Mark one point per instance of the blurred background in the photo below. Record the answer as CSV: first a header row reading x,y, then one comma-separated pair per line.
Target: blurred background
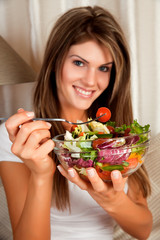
x,y
26,24
24,29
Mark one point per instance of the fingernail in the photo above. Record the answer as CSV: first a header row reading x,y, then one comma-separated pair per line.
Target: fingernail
x,y
71,172
49,124
20,110
115,174
90,172
30,114
59,168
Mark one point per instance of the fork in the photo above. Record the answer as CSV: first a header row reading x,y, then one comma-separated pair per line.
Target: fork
x,y
61,120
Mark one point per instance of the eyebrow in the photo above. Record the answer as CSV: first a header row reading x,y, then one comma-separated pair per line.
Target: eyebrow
x,y
74,55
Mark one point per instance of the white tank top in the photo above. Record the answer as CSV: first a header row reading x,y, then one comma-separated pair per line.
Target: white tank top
x,y
86,221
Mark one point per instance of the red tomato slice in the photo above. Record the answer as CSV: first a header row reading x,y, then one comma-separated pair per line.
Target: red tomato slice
x,y
98,141
101,111
104,175
133,162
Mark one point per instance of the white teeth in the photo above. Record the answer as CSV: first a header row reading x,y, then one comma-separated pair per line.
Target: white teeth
x,y
87,93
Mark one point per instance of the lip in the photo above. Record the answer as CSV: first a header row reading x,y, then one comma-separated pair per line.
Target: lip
x,y
86,93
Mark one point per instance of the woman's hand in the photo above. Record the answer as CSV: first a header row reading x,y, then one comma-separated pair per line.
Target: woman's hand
x,y
105,194
31,142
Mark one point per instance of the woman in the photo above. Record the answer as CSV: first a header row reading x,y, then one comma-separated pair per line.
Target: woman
x,y
86,66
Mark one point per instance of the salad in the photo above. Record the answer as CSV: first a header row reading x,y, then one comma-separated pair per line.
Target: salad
x,y
105,146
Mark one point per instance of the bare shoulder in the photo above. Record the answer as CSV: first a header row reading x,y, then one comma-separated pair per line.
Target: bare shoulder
x,y
15,178
134,192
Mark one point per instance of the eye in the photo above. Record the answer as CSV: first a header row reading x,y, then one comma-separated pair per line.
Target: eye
x,y
104,68
78,63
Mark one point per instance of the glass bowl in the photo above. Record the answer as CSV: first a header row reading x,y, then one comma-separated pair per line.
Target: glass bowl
x,y
125,154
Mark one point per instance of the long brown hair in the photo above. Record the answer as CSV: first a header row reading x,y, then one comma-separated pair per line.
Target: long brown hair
x,y
75,26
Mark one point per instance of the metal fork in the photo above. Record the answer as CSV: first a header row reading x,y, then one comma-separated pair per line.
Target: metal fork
x,y
61,120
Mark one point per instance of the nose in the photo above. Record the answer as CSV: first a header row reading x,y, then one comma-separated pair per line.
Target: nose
x,y
90,77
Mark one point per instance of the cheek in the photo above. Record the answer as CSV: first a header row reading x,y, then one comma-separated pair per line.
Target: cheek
x,y
67,75
103,84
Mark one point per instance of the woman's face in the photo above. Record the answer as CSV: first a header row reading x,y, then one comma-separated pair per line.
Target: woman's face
x,y
85,75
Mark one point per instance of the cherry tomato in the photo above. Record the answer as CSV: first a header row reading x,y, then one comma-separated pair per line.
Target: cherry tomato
x,y
127,131
81,134
111,129
101,111
73,128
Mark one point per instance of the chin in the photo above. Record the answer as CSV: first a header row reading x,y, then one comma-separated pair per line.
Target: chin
x,y
83,106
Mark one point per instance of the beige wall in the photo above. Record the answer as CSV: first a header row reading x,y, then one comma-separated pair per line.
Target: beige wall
x,y
13,97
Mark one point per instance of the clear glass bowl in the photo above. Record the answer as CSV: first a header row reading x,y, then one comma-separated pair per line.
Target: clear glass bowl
x,y
125,154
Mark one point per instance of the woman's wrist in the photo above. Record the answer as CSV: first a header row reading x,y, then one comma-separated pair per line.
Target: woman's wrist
x,y
41,179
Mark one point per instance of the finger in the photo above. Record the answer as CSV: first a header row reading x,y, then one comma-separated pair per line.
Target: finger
x,y
33,142
32,128
44,150
37,137
117,180
30,135
74,177
13,123
20,110
97,183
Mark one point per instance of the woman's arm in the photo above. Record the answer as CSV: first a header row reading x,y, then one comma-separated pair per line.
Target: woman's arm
x,y
28,185
29,201
129,211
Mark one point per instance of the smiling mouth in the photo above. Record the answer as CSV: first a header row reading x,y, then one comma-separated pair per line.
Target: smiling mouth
x,y
82,92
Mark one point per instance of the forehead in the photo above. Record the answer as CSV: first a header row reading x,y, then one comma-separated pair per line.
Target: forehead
x,y
91,50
